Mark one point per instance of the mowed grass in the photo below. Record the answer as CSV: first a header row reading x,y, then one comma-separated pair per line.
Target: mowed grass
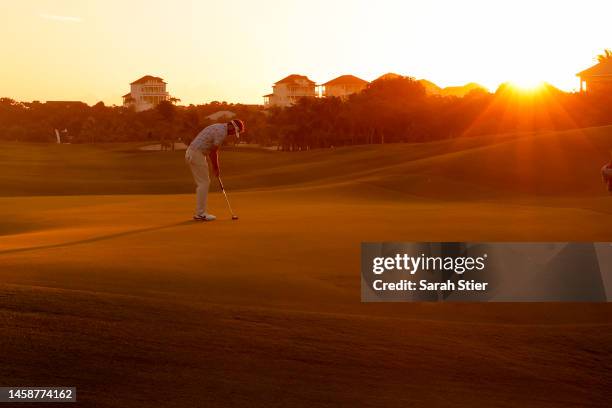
x,y
107,285
553,163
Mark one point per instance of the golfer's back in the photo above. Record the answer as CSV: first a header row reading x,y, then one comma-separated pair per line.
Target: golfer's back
x,y
210,136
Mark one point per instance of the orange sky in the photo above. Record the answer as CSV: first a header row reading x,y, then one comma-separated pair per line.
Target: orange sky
x,y
235,49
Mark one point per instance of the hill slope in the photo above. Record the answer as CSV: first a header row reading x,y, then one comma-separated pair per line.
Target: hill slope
x,y
554,163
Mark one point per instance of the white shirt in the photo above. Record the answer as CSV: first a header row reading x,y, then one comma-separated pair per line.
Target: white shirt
x,y
210,136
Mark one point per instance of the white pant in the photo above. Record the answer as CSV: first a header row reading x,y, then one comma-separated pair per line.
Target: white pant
x,y
199,168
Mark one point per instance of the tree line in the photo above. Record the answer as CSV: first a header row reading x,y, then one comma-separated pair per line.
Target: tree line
x,y
399,110
389,110
36,121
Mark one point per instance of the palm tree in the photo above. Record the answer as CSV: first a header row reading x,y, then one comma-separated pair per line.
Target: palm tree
x,y
606,56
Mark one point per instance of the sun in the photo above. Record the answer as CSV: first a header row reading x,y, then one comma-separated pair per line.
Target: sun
x,y
527,84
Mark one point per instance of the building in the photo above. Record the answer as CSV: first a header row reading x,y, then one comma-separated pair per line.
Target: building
x,y
388,75
289,90
598,78
146,93
343,86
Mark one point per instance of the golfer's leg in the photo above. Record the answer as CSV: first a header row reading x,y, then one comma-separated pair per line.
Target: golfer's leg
x,y
200,173
189,159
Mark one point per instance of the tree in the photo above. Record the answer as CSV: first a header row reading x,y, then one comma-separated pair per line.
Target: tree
x,y
167,110
88,131
606,56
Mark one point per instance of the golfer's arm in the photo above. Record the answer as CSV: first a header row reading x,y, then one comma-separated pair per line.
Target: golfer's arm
x,y
214,159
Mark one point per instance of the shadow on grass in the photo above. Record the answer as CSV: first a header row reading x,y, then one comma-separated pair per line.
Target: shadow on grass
x,y
99,238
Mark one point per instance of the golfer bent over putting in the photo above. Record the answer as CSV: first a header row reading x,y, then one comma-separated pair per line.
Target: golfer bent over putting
x,y
207,143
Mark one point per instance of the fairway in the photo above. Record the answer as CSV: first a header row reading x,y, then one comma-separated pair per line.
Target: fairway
x,y
108,286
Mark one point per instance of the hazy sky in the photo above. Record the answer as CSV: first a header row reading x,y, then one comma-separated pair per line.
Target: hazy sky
x,y
235,49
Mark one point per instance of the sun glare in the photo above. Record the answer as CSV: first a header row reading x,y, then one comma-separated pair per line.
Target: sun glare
x,y
527,84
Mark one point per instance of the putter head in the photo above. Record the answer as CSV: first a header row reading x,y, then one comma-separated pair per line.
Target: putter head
x,y
234,217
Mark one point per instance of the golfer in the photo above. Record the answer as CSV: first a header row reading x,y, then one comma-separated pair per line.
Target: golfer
x,y
206,144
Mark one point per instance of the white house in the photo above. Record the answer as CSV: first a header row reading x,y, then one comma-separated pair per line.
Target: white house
x,y
289,90
145,93
343,86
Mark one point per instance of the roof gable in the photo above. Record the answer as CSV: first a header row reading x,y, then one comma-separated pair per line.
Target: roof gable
x,y
147,78
601,69
294,78
389,75
346,80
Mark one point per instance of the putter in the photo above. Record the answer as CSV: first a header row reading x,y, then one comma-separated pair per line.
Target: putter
x,y
234,217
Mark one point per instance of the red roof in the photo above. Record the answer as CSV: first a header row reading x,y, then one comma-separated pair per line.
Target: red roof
x,y
389,75
146,78
346,80
126,95
293,78
601,69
